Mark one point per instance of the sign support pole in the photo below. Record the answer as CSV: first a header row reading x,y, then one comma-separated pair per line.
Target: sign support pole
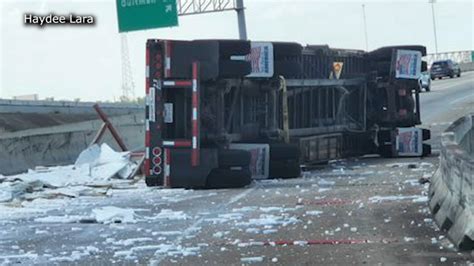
x,y
241,19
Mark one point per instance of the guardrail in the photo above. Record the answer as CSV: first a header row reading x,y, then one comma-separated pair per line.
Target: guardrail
x,y
457,56
451,190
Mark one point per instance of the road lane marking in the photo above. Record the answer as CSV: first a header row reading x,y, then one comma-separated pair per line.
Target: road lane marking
x,y
462,98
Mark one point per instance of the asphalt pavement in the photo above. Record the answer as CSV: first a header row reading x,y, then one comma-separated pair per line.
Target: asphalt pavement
x,y
448,100
366,210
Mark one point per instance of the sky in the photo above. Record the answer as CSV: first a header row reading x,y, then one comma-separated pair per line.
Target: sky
x,y
68,62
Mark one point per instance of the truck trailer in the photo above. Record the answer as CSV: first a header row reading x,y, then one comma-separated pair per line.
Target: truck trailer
x,y
221,112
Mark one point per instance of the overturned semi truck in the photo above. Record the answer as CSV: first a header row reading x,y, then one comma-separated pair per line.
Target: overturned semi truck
x,y
221,112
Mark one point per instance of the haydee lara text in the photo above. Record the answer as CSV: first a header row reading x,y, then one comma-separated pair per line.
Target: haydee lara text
x,y
53,19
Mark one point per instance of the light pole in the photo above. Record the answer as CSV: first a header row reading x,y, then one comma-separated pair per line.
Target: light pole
x,y
434,24
365,28
241,19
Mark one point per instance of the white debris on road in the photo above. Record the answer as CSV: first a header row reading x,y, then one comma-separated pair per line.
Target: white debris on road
x,y
105,215
111,214
95,167
314,213
251,259
414,198
168,214
270,220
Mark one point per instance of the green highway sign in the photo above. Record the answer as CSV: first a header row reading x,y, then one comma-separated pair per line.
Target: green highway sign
x,y
146,14
472,56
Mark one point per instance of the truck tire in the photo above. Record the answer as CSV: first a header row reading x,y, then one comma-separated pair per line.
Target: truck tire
x,y
385,53
284,151
226,178
426,133
151,181
231,158
287,69
284,49
228,48
385,151
234,68
424,66
426,149
383,68
284,169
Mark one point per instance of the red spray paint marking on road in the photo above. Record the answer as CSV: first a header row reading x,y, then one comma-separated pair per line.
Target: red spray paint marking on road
x,y
327,202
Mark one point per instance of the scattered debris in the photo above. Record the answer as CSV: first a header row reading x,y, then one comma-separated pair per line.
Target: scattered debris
x,y
93,170
251,259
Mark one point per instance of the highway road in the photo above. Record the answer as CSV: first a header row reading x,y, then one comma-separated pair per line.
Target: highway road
x,y
366,210
448,100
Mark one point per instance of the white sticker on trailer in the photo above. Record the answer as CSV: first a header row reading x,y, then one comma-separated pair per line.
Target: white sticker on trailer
x,y
260,158
168,113
261,59
409,141
408,64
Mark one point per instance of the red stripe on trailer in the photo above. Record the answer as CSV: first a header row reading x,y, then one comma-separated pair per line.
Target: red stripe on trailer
x,y
195,157
182,143
147,138
147,167
177,143
166,181
177,83
183,83
195,75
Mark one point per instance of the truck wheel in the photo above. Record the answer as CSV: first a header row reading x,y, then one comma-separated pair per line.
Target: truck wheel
x,y
285,169
426,133
283,49
226,178
383,68
234,68
287,69
284,151
385,151
426,149
230,158
228,48
424,66
385,53
151,181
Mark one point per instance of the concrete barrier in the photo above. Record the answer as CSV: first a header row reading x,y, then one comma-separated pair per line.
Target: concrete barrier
x,y
67,107
451,190
466,66
60,145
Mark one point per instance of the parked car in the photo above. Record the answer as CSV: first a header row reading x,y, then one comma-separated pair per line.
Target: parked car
x,y
424,81
445,68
